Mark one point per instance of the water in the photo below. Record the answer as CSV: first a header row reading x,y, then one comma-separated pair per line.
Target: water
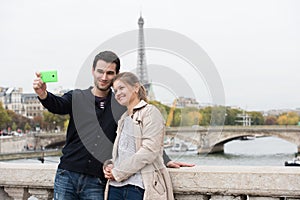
x,y
266,151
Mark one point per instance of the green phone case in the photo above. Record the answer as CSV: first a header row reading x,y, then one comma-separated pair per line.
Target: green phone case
x,y
49,76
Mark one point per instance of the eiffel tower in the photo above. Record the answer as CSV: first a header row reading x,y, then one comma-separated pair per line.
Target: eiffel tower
x,y
142,72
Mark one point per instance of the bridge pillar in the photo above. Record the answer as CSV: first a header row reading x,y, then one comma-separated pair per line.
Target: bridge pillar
x,y
218,148
203,150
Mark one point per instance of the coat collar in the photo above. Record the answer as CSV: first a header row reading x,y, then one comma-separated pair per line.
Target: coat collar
x,y
140,105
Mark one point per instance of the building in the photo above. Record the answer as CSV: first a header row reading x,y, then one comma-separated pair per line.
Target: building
x,y
25,104
183,102
12,99
32,105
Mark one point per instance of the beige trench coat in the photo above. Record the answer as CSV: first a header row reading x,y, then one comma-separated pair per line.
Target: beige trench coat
x,y
149,130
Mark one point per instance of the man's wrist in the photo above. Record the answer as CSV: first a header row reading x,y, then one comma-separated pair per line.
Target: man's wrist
x,y
43,95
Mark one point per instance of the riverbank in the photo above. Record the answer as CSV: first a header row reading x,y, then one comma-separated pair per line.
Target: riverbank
x,y
30,154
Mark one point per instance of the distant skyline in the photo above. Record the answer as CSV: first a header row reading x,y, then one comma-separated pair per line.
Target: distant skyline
x,y
254,45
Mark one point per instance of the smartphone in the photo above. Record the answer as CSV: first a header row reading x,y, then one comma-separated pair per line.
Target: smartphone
x,y
49,76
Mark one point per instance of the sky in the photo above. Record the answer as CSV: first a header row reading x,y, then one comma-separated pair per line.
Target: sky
x,y
253,45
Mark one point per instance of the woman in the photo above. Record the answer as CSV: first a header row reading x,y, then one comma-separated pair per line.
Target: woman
x,y
136,170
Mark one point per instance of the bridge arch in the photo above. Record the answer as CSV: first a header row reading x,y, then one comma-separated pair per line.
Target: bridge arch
x,y
50,141
219,145
57,144
209,141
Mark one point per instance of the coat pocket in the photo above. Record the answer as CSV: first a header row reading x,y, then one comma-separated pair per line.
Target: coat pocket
x,y
158,182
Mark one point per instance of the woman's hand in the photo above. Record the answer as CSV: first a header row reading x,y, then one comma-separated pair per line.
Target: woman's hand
x,y
107,169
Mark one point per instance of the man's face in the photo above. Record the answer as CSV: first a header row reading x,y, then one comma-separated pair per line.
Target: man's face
x,y
103,74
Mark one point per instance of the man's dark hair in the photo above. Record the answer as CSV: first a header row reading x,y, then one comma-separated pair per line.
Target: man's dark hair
x,y
109,57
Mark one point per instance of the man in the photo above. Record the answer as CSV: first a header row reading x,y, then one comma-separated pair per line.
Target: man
x,y
91,132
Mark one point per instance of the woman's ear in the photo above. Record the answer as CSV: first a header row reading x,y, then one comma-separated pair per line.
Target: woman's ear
x,y
136,88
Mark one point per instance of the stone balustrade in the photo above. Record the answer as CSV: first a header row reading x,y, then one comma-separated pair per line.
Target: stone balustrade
x,y
20,181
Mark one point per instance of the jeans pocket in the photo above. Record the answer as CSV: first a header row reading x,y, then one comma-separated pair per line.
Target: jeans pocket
x,y
139,190
60,171
102,182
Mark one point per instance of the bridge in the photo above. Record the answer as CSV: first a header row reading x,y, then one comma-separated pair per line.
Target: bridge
x,y
211,140
207,139
15,144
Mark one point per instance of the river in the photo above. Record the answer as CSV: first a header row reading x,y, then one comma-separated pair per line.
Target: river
x,y
265,151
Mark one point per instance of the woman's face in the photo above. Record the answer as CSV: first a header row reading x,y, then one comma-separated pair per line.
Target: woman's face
x,y
124,93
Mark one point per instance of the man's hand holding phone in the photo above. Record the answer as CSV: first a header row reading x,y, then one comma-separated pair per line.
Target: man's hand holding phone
x,y
39,84
49,76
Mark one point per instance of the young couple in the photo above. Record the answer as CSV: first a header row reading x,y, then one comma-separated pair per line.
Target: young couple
x,y
137,168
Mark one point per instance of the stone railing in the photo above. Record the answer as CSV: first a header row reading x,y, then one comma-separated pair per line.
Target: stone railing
x,y
20,181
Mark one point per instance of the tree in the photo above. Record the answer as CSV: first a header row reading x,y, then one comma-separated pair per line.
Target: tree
x,y
282,120
4,117
38,122
293,118
176,117
190,116
218,114
53,120
18,119
271,120
290,118
206,116
231,115
256,118
14,126
27,127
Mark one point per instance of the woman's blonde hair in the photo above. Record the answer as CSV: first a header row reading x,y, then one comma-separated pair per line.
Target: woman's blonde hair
x,y
131,79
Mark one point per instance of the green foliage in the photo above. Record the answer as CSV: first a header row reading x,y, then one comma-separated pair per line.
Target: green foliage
x,y
4,117
27,127
190,116
177,117
53,120
290,118
39,121
18,120
256,118
14,126
218,115
293,118
231,116
206,116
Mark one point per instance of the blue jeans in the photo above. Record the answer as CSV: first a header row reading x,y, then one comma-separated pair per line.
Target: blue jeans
x,y
76,186
127,192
